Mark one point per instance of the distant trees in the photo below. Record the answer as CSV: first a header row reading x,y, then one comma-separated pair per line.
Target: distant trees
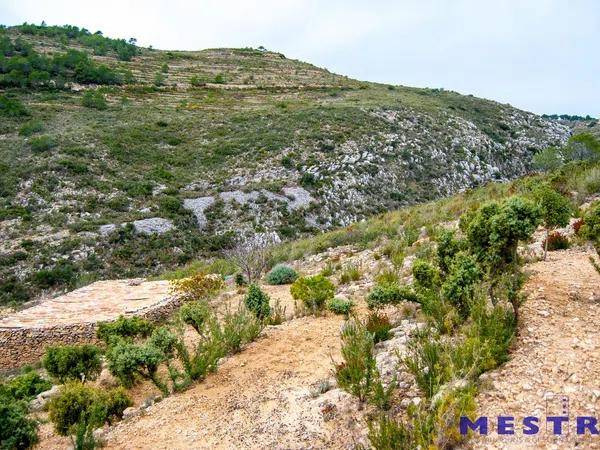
x,y
580,147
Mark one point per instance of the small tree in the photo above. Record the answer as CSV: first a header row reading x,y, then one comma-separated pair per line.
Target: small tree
x,y
73,362
258,302
252,254
555,209
17,431
313,291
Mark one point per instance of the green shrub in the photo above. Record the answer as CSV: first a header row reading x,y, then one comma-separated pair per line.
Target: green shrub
x,y
79,409
62,273
591,224
447,247
12,107
124,327
127,361
390,295
313,291
73,362
387,278
379,326
239,328
17,431
350,273
340,306
425,274
94,99
358,371
424,361
258,302
25,386
282,274
195,314
30,127
240,280
387,434
42,144
461,282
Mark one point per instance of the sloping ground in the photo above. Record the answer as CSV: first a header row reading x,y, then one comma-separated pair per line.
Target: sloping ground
x,y
556,357
258,399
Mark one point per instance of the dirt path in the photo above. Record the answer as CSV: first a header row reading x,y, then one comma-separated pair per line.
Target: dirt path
x,y
556,362
260,398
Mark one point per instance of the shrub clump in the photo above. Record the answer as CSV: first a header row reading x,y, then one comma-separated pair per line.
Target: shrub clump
x,y
282,274
379,326
17,431
73,362
258,302
94,100
42,144
339,305
198,286
591,225
390,295
25,386
124,327
80,409
313,291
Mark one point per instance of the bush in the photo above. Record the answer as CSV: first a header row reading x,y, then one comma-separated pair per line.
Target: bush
x,y
313,291
62,273
124,327
591,226
73,362
195,314
447,247
30,127
80,409
340,306
379,326
350,273
460,284
556,241
388,434
390,295
425,275
197,287
17,431
25,386
282,274
258,302
239,328
94,99
42,144
127,361
357,373
424,361
12,107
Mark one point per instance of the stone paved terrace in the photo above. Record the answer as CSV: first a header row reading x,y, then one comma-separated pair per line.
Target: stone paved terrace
x,y
72,318
102,300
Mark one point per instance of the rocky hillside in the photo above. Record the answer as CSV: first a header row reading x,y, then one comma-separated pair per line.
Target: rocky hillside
x,y
119,161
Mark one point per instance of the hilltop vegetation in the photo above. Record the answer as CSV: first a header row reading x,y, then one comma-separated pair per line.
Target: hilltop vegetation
x,y
121,161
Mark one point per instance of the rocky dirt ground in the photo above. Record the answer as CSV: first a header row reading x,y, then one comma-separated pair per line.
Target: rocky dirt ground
x,y
556,356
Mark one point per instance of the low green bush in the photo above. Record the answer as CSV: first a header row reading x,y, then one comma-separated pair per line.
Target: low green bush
x,y
282,274
195,314
42,144
79,409
239,328
94,99
339,305
350,273
73,362
357,373
30,127
258,302
591,224
313,291
462,281
425,274
25,386
124,327
390,295
12,107
17,430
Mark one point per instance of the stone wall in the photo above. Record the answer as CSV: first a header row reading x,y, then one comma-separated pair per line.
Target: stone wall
x,y
21,346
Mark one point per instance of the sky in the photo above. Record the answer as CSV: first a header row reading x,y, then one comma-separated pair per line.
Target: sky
x,y
538,55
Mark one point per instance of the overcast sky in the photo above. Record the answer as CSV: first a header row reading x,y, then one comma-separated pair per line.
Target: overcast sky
x,y
539,55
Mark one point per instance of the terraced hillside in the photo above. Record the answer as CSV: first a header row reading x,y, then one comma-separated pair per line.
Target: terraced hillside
x,y
160,156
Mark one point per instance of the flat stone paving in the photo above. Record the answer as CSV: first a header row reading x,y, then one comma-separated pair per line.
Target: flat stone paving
x,y
102,300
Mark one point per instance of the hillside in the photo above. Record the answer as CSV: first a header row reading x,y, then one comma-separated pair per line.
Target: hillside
x,y
192,148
